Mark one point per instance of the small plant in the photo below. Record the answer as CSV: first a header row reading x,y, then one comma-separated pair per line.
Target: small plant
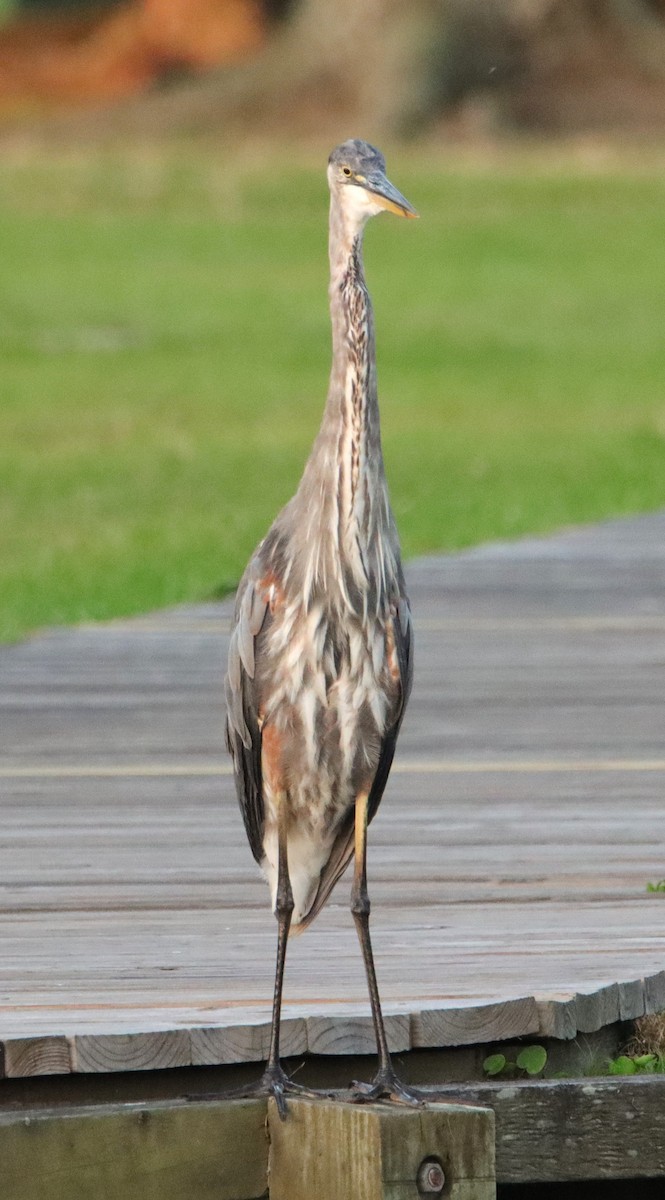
x,y
495,1064
645,1052
656,887
636,1064
530,1061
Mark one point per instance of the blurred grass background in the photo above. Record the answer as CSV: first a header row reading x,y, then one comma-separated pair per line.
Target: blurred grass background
x,y
165,342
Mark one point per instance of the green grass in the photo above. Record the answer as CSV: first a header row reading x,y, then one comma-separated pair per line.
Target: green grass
x,y
165,350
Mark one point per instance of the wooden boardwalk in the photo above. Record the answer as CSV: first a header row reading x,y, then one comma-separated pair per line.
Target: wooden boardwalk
x,y
509,861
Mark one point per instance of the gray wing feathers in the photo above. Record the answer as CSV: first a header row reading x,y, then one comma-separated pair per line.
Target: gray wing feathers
x,y
243,735
245,640
404,646
255,608
250,618
343,845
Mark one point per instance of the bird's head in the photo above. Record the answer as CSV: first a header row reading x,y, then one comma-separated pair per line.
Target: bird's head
x,y
358,182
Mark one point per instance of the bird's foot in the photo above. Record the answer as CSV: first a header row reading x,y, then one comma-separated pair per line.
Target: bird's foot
x,y
387,1086
274,1082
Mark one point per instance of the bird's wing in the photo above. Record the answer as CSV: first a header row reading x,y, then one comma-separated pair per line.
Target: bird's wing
x,y
402,632
343,846
243,732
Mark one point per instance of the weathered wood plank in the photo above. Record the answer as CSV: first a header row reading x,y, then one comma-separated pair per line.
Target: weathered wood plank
x,y
654,992
556,1016
22,1057
567,1129
632,999
597,1008
340,1034
334,1151
131,1051
475,1023
159,1152
219,1045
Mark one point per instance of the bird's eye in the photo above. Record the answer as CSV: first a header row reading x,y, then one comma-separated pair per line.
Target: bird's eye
x,y
346,171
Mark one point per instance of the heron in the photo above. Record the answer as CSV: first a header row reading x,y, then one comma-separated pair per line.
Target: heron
x,y
321,652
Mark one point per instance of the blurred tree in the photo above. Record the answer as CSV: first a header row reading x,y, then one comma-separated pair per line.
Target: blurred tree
x,y
386,66
591,64
566,65
383,66
375,64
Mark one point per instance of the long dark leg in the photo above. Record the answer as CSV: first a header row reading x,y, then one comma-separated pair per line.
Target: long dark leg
x,y
274,1076
275,1081
360,907
386,1084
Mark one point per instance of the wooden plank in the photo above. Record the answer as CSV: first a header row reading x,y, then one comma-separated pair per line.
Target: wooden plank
x,y
562,1130
22,1057
163,1151
334,1151
475,1024
595,1009
654,992
329,1034
152,1051
556,1016
219,1044
424,766
632,999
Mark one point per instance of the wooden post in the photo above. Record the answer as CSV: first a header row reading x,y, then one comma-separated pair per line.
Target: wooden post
x,y
555,1130
158,1151
335,1150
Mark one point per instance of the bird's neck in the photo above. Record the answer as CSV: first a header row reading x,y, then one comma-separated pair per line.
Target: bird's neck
x,y
344,479
351,416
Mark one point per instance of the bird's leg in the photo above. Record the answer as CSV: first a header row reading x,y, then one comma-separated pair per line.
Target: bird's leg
x,y
386,1085
275,1082
360,907
274,1077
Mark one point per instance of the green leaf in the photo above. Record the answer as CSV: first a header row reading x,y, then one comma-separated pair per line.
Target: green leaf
x,y
532,1059
644,1062
623,1065
656,887
494,1064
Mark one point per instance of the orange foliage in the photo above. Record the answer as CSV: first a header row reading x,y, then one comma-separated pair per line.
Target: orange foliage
x,y
122,51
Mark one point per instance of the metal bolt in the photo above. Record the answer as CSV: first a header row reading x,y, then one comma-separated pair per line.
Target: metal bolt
x,y
431,1178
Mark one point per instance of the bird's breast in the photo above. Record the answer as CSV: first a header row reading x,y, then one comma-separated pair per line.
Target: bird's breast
x,y
328,692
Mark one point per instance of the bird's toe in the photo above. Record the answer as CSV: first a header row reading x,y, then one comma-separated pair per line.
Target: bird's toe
x,y
386,1086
